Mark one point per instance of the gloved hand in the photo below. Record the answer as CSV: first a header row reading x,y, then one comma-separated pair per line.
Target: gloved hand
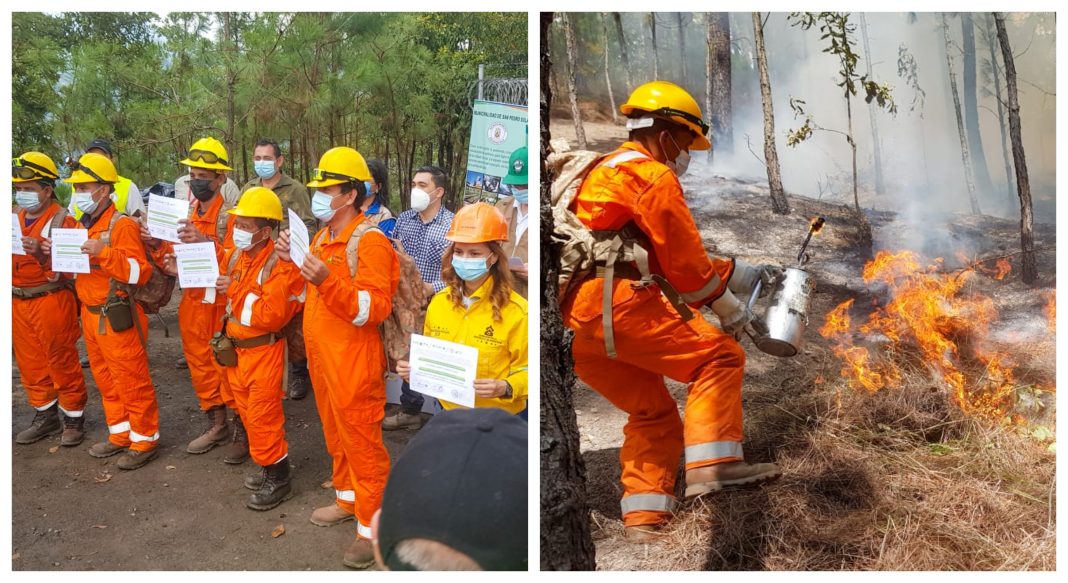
x,y
735,317
746,276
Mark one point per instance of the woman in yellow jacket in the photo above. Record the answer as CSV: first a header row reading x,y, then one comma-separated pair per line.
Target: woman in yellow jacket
x,y
479,308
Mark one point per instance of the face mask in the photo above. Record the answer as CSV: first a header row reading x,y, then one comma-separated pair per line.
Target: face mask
x,y
682,161
469,269
367,186
242,238
521,195
201,189
265,168
420,200
321,207
85,202
28,200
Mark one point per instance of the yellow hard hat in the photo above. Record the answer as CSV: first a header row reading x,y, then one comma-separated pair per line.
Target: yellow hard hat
x,y
260,203
207,153
33,166
339,165
94,167
671,102
478,223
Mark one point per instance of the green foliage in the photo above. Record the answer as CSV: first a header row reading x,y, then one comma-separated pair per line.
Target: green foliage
x,y
908,70
394,86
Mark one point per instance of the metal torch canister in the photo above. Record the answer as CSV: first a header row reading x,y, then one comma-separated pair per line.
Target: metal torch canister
x,y
787,316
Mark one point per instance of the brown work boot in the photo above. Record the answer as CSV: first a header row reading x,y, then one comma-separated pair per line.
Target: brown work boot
x,y
360,554
73,431
330,515
237,451
44,423
135,459
274,489
719,476
402,420
642,533
218,433
105,449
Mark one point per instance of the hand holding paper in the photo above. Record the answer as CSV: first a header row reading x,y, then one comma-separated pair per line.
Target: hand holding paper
x,y
443,369
67,256
197,265
163,216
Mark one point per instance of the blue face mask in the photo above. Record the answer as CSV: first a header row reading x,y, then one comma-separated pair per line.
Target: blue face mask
x,y
367,185
85,202
469,268
28,200
321,207
265,168
521,195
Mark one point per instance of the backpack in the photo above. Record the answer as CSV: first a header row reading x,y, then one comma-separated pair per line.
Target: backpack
x,y
584,252
294,328
156,292
407,302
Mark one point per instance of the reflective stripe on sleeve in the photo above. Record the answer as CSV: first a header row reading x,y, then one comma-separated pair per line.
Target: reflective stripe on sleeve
x,y
704,292
365,308
135,271
246,311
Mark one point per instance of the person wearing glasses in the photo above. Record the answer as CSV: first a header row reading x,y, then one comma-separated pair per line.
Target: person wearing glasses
x,y
44,311
353,272
201,310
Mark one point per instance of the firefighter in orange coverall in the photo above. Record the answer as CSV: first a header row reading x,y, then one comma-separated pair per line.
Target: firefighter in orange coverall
x,y
117,358
346,358
637,186
263,295
44,311
201,310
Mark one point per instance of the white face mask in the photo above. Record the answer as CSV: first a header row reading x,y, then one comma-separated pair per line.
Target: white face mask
x,y
85,201
420,200
682,161
28,200
243,238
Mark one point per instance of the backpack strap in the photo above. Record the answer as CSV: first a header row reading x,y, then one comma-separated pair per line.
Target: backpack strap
x,y
56,222
353,244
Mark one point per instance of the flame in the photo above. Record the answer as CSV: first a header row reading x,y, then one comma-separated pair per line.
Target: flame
x,y
1003,269
1051,310
927,316
815,225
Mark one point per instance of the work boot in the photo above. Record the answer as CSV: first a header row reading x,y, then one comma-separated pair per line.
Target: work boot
x,y
274,489
298,384
255,481
642,533
181,363
85,362
237,451
330,515
217,433
402,420
135,459
73,431
44,423
105,449
360,554
719,476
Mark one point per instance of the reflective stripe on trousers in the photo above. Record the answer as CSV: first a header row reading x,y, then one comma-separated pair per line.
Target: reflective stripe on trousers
x,y
651,502
713,450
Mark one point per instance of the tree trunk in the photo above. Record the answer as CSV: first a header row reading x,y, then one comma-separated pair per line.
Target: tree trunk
x,y
569,36
853,149
683,78
719,81
1010,188
656,54
607,76
880,186
565,530
1023,184
623,50
971,107
964,154
778,198
231,80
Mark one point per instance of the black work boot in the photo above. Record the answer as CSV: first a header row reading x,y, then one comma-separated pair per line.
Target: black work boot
x,y
299,381
73,431
44,423
275,488
237,451
255,481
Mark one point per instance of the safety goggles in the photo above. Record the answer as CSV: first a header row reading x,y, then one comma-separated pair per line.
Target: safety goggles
x,y
671,112
325,175
27,170
206,156
89,171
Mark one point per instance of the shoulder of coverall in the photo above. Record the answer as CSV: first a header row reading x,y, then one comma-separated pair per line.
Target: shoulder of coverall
x,y
645,169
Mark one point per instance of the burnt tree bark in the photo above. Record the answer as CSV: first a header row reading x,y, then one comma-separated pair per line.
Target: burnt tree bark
x,y
572,61
965,155
995,73
623,50
565,530
1023,184
656,54
771,156
971,107
718,74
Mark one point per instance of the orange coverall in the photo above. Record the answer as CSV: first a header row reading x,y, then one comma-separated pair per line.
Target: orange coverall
x,y
118,359
347,363
200,313
652,340
261,304
44,330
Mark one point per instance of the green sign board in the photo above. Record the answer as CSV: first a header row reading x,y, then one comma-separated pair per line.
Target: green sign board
x,y
497,130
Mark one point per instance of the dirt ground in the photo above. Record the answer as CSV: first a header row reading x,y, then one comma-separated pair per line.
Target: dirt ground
x,y
861,489
71,511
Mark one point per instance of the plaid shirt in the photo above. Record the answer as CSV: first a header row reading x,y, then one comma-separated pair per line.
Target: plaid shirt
x,y
425,242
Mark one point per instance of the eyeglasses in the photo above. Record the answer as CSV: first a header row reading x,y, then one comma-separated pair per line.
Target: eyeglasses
x,y
669,112
206,156
27,170
323,174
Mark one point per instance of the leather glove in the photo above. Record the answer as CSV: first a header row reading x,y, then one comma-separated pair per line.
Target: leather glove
x,y
746,276
734,316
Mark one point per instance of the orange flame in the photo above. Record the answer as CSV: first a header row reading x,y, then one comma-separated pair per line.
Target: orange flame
x,y
815,224
1051,310
927,316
